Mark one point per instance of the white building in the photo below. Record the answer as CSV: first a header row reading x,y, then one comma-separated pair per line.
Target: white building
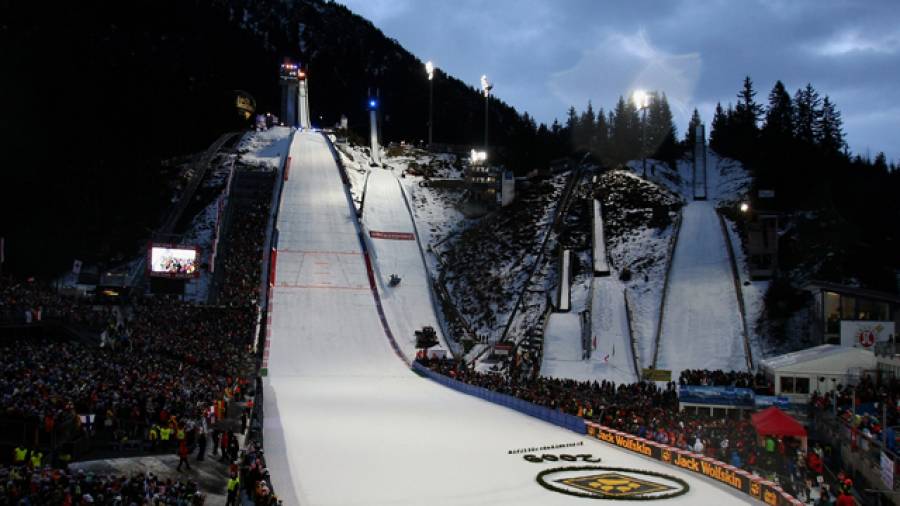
x,y
822,368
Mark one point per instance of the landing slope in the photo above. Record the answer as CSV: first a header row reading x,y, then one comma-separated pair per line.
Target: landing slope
x,y
701,328
391,235
346,422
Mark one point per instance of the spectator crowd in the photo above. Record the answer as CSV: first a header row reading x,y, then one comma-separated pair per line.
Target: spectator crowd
x,y
652,412
159,376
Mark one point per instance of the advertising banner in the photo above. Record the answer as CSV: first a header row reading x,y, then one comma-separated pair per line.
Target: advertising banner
x,y
720,396
765,401
738,479
656,375
396,236
864,334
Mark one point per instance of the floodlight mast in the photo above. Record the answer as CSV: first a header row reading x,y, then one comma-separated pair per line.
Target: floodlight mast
x,y
641,100
429,69
486,87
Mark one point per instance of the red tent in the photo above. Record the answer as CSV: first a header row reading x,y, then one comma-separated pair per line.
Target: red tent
x,y
775,422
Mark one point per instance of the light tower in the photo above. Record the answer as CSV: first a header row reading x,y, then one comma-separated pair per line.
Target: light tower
x,y
373,126
486,87
289,73
429,69
641,101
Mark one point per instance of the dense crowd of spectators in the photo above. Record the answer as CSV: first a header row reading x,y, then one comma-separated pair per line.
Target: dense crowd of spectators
x,y
159,377
24,485
719,378
26,302
240,266
650,411
863,408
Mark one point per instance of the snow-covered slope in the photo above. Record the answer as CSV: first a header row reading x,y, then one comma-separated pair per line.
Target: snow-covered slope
x,y
701,327
346,422
610,357
391,235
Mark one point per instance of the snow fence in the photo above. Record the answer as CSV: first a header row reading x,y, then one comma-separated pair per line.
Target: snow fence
x,y
553,416
756,487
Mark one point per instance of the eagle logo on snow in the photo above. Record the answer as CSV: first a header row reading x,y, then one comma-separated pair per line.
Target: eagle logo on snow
x,y
597,482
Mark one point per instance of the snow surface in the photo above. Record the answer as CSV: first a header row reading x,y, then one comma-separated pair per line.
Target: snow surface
x,y
701,328
408,306
347,423
611,359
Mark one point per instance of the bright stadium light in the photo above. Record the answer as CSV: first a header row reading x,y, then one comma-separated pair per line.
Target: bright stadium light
x,y
641,101
373,103
486,87
478,156
429,69
745,207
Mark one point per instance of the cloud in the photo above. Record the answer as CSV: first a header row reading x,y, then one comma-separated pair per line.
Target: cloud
x,y
620,63
852,41
547,55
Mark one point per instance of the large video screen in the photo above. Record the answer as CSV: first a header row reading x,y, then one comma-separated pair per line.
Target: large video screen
x,y
173,261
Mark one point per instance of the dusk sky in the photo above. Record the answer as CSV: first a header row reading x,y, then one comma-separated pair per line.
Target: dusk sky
x,y
545,55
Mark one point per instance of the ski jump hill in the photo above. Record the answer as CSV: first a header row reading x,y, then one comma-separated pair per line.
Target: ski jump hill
x,y
702,325
346,420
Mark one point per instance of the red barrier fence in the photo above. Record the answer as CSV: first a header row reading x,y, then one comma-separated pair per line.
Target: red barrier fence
x,y
748,483
396,236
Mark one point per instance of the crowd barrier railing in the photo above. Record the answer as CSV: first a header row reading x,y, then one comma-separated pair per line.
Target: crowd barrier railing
x,y
738,479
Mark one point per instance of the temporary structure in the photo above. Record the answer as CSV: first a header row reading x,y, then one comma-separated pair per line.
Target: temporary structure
x,y
775,422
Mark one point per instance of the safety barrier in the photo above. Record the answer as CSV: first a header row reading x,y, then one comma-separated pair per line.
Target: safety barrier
x,y
739,293
662,303
553,416
748,483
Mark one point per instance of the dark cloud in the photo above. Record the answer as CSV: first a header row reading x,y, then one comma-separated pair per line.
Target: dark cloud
x,y
545,55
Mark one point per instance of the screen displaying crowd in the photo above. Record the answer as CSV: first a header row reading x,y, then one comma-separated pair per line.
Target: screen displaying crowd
x,y
173,261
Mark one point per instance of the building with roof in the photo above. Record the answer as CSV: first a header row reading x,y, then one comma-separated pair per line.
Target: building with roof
x,y
834,303
820,369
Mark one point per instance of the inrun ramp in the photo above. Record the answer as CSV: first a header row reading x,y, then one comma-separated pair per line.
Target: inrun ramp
x,y
701,326
346,422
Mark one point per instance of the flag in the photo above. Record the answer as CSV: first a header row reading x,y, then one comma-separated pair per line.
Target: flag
x,y
595,342
614,350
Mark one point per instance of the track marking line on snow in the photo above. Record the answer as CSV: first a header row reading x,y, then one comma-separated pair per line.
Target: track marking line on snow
x,y
325,286
318,252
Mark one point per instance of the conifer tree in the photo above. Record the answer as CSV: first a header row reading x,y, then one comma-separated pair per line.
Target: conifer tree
x,y
830,128
718,135
806,114
690,135
779,126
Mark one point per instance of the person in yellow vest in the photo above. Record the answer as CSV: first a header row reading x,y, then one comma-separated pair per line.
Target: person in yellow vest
x,y
179,434
36,458
19,455
165,435
153,436
233,489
